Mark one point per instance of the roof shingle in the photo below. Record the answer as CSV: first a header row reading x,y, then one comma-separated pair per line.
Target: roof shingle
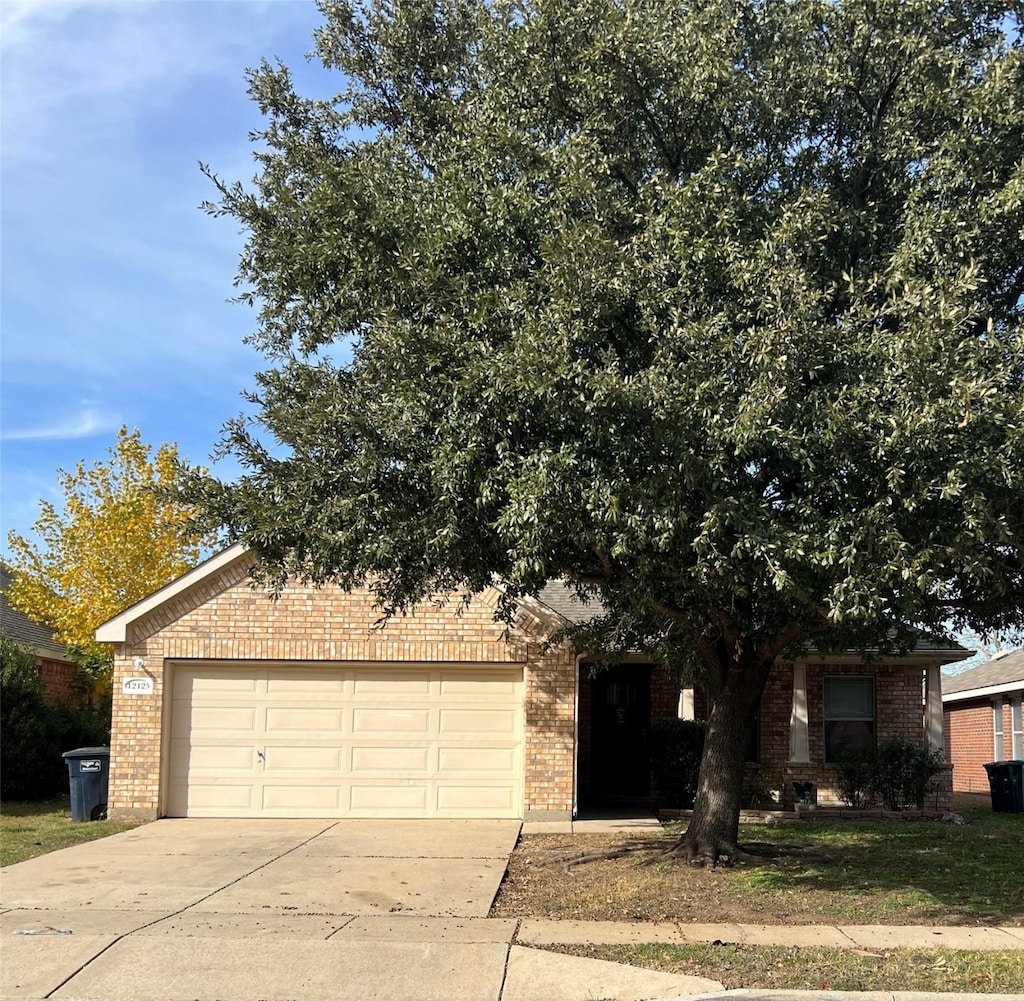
x,y
21,628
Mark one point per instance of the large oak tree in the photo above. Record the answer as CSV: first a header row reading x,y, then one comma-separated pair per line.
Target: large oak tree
x,y
711,308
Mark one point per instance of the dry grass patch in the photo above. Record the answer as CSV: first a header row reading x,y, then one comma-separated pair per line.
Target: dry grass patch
x,y
780,968
812,872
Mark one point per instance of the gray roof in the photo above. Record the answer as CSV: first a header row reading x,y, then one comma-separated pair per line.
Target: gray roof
x,y
1005,670
21,628
560,596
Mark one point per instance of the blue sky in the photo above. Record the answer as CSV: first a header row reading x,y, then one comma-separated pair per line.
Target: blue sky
x,y
113,283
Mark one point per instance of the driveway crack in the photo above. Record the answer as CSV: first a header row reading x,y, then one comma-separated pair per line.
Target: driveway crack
x,y
181,910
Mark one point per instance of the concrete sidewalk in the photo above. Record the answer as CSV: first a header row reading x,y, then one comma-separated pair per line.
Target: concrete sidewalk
x,y
536,931
205,955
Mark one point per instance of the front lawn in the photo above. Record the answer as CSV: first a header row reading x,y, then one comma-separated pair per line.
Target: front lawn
x,y
29,829
779,968
813,872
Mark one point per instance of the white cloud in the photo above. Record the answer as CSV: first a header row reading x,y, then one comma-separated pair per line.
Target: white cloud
x,y
87,423
88,70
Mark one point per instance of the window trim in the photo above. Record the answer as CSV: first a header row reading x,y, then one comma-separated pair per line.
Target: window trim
x,y
998,734
826,719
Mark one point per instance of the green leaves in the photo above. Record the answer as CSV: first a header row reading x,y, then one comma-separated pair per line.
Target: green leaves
x,y
712,307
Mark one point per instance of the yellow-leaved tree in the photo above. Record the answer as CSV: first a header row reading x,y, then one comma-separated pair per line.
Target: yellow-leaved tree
x,y
119,537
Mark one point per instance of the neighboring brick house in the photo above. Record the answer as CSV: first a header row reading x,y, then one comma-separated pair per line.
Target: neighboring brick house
x,y
983,719
57,671
228,703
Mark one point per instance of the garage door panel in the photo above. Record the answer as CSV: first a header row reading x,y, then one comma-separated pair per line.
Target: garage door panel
x,y
230,685
370,683
395,799
326,798
497,760
478,722
220,719
203,797
404,760
390,721
211,758
484,800
303,758
357,740
312,684
301,719
504,686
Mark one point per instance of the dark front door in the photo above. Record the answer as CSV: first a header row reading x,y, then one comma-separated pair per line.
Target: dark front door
x,y
620,714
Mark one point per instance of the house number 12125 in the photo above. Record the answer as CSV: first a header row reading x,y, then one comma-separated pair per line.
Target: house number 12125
x,y
137,686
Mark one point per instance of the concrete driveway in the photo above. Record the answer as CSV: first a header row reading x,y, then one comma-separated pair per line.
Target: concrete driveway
x,y
248,910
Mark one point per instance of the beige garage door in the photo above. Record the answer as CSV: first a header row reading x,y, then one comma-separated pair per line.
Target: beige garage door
x,y
329,741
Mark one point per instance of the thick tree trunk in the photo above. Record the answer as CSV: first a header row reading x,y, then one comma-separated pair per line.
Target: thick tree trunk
x,y
713,832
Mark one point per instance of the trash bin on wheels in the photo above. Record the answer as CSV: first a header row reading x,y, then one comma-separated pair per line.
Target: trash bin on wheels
x,y
1006,784
89,772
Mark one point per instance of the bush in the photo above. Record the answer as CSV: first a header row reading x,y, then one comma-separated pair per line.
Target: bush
x,y
903,769
897,774
761,783
855,778
34,735
676,747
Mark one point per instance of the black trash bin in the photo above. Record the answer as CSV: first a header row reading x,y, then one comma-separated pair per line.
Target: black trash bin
x,y
89,772
1006,784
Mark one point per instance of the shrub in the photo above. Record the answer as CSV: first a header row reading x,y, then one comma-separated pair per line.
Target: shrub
x,y
34,735
855,778
761,783
902,772
676,747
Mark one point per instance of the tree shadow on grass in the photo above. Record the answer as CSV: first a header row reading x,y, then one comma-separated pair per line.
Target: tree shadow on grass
x,y
35,808
969,874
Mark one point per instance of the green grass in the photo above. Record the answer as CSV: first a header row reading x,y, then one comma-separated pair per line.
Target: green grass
x,y
886,870
777,967
31,829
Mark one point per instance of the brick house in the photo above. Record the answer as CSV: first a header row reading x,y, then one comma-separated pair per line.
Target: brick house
x,y
983,719
57,671
227,703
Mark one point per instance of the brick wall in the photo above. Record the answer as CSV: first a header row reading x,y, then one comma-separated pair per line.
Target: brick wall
x,y
899,711
222,618
59,682
970,742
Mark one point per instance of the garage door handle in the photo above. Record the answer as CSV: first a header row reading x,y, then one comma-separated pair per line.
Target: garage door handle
x,y
261,756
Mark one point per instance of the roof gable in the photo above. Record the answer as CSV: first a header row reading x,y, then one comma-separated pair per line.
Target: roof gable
x,y
115,630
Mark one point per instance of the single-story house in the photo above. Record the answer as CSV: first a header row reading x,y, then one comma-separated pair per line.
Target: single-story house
x,y
230,704
983,718
56,668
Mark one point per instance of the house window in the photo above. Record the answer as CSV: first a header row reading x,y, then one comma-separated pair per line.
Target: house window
x,y
997,730
849,715
1017,718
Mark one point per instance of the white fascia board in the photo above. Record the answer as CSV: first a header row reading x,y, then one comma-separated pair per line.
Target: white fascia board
x,y
115,630
980,693
920,658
